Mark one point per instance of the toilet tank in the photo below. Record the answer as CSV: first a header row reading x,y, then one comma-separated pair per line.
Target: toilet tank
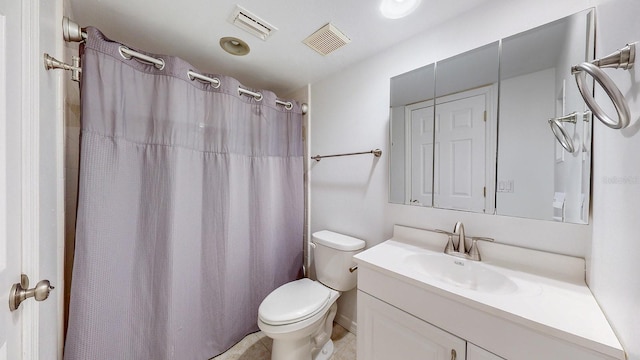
x,y
333,256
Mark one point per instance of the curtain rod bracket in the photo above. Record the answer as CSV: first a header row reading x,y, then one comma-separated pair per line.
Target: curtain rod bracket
x,y
52,63
72,31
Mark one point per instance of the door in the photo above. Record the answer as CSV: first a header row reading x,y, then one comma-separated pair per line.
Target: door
x,y
31,193
10,194
420,121
459,181
385,332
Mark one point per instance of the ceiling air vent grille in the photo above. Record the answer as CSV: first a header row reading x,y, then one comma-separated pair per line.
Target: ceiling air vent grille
x,y
250,23
327,39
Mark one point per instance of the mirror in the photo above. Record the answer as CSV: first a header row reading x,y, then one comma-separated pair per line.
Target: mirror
x,y
411,94
544,143
452,147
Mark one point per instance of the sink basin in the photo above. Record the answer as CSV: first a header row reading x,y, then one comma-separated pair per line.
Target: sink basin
x,y
462,273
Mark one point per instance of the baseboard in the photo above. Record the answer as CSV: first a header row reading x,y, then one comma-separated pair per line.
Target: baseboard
x,y
347,323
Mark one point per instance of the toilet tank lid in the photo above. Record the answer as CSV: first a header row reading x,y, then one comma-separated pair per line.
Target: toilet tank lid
x,y
337,241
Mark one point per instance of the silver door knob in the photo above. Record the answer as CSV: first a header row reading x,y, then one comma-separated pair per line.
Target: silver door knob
x,y
20,291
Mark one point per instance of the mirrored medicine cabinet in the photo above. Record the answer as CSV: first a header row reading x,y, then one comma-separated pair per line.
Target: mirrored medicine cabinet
x,y
472,132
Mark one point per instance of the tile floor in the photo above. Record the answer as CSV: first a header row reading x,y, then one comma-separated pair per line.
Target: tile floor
x,y
257,346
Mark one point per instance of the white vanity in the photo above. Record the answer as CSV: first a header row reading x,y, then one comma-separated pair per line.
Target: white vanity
x,y
415,302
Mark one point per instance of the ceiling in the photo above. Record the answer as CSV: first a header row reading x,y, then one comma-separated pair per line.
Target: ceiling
x,y
191,29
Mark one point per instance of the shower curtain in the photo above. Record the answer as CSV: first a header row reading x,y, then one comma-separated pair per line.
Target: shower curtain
x,y
190,209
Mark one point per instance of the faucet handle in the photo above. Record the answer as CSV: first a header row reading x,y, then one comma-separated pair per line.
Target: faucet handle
x,y
449,248
474,238
474,254
443,232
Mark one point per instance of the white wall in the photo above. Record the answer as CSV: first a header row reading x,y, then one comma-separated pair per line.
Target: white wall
x,y
350,194
614,265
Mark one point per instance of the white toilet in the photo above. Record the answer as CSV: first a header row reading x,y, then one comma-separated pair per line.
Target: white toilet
x,y
299,315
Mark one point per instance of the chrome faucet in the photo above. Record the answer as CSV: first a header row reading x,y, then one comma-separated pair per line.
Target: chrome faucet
x,y
458,228
460,249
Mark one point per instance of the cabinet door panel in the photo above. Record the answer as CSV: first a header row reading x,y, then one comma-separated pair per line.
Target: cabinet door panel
x,y
477,353
385,332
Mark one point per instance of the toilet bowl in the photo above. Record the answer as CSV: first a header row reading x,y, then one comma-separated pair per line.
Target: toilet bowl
x,y
299,315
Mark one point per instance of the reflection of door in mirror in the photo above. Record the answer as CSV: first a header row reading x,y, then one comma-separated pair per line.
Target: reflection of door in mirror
x,y
465,136
420,116
412,95
460,181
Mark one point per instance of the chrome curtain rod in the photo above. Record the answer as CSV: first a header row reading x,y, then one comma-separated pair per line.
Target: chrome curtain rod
x,y
73,32
376,153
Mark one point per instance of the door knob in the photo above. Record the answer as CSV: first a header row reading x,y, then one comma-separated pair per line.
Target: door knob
x,y
20,291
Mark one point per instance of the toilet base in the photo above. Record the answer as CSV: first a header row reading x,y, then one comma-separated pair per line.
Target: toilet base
x,y
299,349
326,351
314,344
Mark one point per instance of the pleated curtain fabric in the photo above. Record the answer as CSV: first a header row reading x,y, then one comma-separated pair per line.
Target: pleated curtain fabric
x,y
190,209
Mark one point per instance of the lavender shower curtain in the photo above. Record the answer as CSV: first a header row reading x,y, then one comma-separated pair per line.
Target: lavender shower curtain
x,y
190,209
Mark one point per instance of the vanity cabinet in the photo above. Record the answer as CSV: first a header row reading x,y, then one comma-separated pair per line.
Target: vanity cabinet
x,y
385,332
408,310
476,353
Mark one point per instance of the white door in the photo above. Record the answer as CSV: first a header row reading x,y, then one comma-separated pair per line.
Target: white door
x,y
459,171
420,121
30,176
10,264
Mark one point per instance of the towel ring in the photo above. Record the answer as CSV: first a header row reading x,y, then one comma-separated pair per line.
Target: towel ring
x,y
620,59
561,133
612,91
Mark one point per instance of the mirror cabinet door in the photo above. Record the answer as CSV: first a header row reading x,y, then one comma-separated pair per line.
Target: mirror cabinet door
x,y
536,177
452,147
465,130
411,129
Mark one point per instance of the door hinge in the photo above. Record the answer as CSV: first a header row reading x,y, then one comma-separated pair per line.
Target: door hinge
x,y
485,116
484,191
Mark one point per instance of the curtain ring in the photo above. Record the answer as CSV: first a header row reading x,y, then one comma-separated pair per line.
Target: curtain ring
x,y
158,63
609,87
258,97
288,105
161,66
125,56
213,82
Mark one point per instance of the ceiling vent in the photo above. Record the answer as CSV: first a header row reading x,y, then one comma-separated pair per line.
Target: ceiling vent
x,y
327,39
250,23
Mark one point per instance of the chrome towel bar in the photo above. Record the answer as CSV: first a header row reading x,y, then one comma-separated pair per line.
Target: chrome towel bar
x,y
621,59
376,153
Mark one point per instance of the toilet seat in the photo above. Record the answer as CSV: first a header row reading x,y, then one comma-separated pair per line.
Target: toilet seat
x,y
294,302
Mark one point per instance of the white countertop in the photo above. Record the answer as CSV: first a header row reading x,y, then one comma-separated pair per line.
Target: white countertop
x,y
552,296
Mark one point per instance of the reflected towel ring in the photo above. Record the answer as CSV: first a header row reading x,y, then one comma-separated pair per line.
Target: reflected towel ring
x,y
612,91
561,133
